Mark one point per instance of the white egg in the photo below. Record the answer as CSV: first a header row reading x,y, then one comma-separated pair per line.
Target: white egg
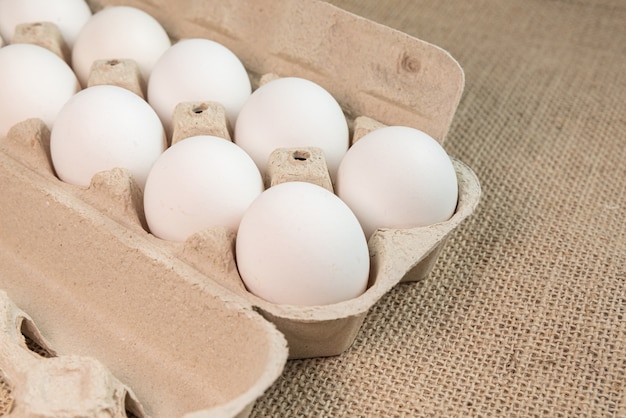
x,y
299,244
119,32
198,183
105,127
398,177
34,83
292,112
68,15
198,70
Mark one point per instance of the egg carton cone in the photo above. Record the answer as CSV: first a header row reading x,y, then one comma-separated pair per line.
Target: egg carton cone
x,y
173,321
44,34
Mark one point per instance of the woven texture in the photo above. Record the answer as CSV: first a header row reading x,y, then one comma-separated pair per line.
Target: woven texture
x,y
524,312
6,395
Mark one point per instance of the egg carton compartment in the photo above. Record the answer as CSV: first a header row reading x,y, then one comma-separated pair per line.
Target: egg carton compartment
x,y
395,254
174,320
44,384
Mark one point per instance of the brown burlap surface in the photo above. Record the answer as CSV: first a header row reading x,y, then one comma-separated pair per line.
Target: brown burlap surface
x,y
524,314
6,397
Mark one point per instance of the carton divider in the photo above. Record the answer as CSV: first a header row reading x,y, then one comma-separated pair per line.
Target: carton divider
x,y
29,142
123,73
44,34
199,118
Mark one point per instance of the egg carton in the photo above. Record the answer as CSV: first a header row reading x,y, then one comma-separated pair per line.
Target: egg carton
x,y
173,321
45,384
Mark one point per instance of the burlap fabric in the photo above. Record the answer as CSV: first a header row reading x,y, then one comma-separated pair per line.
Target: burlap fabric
x,y
524,314
6,397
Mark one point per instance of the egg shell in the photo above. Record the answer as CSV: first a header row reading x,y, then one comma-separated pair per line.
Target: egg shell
x,y
299,244
105,127
119,32
200,182
398,177
68,15
292,112
198,70
35,83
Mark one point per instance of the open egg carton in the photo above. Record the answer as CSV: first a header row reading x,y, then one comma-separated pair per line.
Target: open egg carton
x,y
173,321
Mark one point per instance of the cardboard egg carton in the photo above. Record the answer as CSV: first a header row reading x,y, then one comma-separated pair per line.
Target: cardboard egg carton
x,y
48,385
173,321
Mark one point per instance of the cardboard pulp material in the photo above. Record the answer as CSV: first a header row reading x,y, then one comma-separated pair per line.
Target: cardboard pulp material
x,y
98,287
44,384
173,321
